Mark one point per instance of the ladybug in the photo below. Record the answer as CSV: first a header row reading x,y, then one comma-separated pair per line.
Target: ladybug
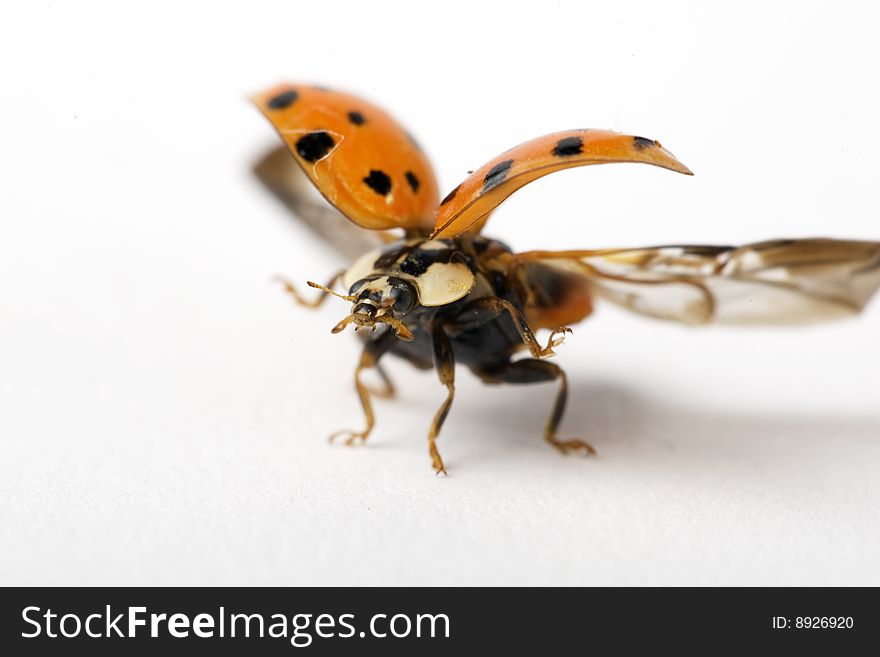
x,y
443,293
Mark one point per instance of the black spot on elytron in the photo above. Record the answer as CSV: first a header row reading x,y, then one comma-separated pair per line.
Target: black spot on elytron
x,y
496,175
315,145
450,196
283,100
416,263
379,182
640,143
356,117
569,146
412,180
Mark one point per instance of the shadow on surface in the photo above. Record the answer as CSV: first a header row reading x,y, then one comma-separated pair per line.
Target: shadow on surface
x,y
626,426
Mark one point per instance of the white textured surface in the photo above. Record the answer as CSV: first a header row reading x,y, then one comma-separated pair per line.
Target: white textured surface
x,y
163,408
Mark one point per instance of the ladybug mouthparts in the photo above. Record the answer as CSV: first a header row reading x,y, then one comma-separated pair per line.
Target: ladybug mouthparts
x,y
368,315
365,313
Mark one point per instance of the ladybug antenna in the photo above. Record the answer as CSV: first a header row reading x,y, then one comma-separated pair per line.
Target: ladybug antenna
x,y
324,288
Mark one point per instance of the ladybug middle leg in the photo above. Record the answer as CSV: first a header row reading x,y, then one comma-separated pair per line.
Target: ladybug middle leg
x,y
532,370
486,309
309,303
387,391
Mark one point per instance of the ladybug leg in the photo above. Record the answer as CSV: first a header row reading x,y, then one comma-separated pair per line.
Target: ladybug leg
x,y
530,370
486,309
374,349
387,391
301,300
444,363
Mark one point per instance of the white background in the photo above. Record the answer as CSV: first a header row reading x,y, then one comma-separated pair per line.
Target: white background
x,y
165,408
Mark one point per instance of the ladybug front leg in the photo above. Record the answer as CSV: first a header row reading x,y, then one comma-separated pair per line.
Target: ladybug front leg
x,y
444,363
374,349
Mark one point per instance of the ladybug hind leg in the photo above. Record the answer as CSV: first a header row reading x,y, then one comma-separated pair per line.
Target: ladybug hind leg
x,y
532,370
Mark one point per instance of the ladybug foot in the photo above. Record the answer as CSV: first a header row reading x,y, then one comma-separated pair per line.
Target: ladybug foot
x,y
574,445
556,340
436,461
350,438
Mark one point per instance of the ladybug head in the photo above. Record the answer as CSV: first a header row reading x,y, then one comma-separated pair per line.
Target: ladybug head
x,y
380,300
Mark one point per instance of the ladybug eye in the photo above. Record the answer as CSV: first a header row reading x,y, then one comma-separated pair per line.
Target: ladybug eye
x,y
357,286
404,297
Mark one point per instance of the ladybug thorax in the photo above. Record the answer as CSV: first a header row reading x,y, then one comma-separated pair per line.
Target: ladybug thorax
x,y
435,269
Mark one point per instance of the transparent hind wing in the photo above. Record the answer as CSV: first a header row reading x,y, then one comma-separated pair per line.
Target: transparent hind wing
x,y
281,175
779,282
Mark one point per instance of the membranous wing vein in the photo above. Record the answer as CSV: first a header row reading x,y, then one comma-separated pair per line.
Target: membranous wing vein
x,y
774,282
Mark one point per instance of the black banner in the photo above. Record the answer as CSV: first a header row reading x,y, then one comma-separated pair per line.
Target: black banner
x,y
113,621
